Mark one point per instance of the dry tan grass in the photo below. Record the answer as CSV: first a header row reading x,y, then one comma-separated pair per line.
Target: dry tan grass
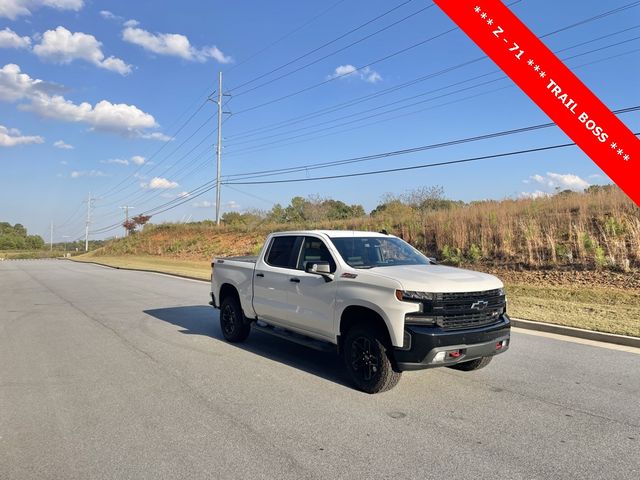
x,y
599,230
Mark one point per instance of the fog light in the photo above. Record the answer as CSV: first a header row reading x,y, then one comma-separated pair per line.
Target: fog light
x,y
439,357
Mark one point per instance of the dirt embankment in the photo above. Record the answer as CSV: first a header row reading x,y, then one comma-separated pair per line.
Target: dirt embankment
x,y
568,277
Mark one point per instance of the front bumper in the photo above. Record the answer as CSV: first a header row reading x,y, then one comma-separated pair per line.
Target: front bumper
x,y
423,343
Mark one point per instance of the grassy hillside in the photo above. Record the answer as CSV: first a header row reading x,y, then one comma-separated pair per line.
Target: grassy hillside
x,y
597,230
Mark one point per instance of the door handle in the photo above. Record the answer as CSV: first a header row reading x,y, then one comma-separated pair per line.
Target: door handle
x,y
294,280
260,275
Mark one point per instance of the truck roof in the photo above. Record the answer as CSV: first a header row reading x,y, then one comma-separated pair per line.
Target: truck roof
x,y
338,233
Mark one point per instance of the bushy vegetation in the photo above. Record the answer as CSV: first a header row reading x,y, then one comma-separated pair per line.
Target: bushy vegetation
x,y
598,229
15,237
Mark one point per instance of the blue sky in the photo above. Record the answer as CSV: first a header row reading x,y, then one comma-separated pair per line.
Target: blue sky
x,y
93,93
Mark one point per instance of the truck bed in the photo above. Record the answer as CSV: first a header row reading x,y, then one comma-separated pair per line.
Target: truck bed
x,y
241,259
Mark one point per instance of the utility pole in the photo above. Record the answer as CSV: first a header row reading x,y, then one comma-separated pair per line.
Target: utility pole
x,y
64,239
51,238
219,145
219,149
126,217
86,230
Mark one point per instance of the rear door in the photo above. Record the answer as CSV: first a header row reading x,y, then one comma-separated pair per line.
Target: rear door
x,y
312,299
272,279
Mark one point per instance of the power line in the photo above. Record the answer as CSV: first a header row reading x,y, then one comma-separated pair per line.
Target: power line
x,y
413,167
311,52
379,107
415,45
135,174
406,151
184,124
287,35
336,77
151,194
360,40
314,166
197,192
327,110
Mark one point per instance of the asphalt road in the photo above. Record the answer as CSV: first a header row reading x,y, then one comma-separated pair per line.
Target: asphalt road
x,y
115,374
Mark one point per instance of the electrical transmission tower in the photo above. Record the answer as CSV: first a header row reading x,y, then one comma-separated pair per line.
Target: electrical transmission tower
x,y
126,218
89,203
219,144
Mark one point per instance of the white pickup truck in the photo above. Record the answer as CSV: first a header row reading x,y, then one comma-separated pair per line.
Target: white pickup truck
x,y
369,296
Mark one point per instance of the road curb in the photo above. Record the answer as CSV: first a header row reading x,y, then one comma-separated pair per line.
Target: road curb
x,y
577,332
516,322
187,277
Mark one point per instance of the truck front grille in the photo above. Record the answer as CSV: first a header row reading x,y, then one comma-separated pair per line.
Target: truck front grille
x,y
453,311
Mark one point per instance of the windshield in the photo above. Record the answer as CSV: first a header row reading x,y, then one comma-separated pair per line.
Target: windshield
x,y
369,252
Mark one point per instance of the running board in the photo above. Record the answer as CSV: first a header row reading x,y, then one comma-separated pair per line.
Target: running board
x,y
295,337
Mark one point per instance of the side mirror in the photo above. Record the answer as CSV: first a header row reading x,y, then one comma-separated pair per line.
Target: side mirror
x,y
433,260
319,267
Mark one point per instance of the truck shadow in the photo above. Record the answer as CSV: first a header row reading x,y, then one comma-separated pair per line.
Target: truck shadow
x,y
204,320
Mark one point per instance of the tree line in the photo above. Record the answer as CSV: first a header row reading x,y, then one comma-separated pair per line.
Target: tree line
x,y
16,237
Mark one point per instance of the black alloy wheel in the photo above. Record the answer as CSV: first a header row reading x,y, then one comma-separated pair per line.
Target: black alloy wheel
x,y
234,326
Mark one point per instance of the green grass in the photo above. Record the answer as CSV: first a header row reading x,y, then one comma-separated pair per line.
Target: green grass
x,y
29,254
603,309
608,310
189,268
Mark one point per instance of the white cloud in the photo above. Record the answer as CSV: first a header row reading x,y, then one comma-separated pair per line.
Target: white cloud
x,y
62,145
558,181
62,46
116,161
156,136
87,173
13,9
204,204
15,85
171,44
231,205
105,116
135,160
106,14
131,23
120,118
10,39
176,195
11,137
159,183
349,71
534,195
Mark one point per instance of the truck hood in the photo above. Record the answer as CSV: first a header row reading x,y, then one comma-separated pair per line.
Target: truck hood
x,y
438,278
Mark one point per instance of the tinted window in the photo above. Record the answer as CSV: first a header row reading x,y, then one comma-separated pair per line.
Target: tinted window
x,y
280,253
363,252
314,250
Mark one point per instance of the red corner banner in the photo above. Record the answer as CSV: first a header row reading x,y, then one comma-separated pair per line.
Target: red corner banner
x,y
552,86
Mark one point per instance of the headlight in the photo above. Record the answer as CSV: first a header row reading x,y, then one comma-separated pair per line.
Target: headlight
x,y
409,296
501,291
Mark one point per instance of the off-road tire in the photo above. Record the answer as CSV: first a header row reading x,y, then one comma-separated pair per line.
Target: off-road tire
x,y
233,324
367,358
471,365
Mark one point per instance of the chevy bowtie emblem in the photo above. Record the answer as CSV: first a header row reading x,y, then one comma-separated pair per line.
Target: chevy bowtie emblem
x,y
479,305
